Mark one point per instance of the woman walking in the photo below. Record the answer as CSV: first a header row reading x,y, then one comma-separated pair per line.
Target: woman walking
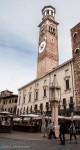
x,y
72,131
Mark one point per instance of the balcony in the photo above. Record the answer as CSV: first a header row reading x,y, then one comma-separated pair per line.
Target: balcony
x,y
52,86
53,99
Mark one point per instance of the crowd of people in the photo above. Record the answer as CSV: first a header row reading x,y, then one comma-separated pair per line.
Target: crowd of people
x,y
62,131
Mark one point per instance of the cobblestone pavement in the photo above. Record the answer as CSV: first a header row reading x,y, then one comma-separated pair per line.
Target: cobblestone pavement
x,y
33,141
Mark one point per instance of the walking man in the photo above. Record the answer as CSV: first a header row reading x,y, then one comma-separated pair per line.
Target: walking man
x,y
62,132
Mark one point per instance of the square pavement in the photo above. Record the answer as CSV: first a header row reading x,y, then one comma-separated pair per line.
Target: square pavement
x,y
34,141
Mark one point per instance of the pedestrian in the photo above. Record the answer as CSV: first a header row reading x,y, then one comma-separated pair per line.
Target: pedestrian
x,y
51,130
73,131
62,132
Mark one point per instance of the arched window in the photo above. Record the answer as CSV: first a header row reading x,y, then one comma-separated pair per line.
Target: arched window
x,y
51,12
47,12
51,30
75,34
77,50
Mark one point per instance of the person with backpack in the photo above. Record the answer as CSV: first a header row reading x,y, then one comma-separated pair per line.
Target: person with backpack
x,y
73,131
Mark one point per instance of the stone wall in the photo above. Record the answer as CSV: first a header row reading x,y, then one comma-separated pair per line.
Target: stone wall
x,y
75,38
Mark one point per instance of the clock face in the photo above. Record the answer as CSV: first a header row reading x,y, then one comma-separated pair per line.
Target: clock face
x,y
42,46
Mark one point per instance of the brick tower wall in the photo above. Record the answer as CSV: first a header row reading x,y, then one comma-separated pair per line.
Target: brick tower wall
x,y
75,38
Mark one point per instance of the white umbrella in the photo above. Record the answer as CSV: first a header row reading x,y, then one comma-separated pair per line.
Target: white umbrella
x,y
30,115
76,117
67,118
4,112
61,117
16,119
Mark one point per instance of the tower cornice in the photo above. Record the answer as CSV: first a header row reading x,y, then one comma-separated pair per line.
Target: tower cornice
x,y
53,21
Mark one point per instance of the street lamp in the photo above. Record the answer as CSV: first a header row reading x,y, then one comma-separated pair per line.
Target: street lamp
x,y
55,96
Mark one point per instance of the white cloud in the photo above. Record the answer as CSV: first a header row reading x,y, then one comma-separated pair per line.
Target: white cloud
x,y
14,80
19,33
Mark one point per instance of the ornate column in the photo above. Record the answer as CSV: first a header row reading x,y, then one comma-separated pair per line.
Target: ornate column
x,y
43,128
55,94
55,106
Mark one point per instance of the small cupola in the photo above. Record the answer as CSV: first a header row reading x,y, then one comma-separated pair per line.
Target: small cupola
x,y
48,11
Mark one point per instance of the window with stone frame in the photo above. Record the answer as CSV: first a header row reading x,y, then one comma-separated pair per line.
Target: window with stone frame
x,y
27,110
9,101
35,108
64,103
8,109
11,109
67,84
44,92
71,104
4,102
18,111
30,97
12,100
24,99
24,110
47,106
31,109
16,100
36,94
41,108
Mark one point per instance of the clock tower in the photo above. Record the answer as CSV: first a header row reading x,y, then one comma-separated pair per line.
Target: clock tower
x,y
48,42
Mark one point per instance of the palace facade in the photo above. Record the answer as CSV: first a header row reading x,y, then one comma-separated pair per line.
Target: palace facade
x,y
8,101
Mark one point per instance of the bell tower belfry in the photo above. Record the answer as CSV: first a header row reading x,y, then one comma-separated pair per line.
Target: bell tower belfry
x,y
48,42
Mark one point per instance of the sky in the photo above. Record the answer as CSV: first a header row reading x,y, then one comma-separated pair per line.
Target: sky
x,y
19,34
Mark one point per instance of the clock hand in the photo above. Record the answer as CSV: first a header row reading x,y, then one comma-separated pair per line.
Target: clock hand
x,y
41,47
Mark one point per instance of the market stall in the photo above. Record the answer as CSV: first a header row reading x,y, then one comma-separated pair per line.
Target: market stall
x,y
5,122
